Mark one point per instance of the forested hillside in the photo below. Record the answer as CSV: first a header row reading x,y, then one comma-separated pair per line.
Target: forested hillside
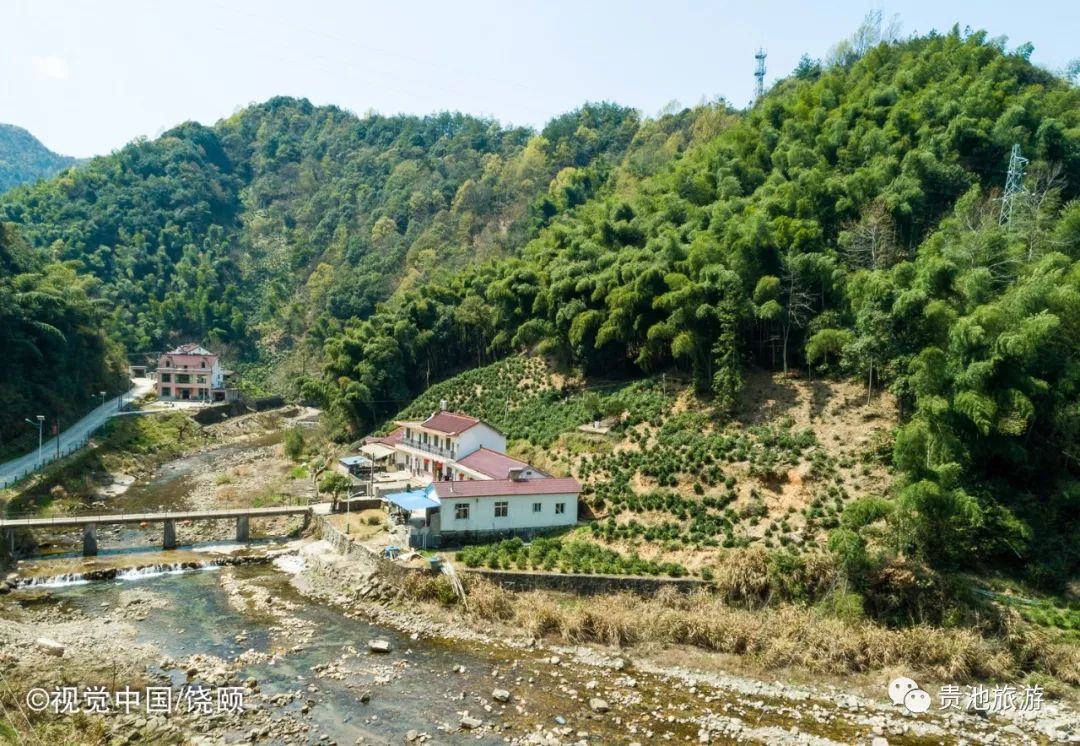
x,y
23,159
56,355
287,217
849,224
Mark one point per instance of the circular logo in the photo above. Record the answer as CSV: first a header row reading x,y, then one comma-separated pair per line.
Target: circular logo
x,y
917,701
899,689
37,700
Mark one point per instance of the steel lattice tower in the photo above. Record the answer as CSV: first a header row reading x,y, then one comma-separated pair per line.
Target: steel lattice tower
x,y
1014,184
759,73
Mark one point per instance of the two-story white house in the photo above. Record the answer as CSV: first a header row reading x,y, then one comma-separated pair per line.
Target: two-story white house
x,y
469,487
431,447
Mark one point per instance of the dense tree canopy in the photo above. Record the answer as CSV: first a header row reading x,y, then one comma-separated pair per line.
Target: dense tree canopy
x,y
849,223
56,356
288,218
23,159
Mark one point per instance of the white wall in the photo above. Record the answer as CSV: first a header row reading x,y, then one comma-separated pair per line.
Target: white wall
x,y
520,513
480,436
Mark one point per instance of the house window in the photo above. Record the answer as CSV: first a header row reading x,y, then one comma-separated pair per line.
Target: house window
x,y
560,508
166,391
502,508
202,364
200,379
538,507
166,377
461,511
183,378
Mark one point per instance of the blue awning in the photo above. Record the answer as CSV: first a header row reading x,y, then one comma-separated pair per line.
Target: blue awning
x,y
416,500
355,461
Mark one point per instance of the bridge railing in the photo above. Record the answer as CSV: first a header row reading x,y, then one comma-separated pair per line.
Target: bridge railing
x,y
148,516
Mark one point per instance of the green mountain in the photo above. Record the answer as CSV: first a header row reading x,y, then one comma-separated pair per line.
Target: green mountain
x,y
56,354
23,159
288,217
848,224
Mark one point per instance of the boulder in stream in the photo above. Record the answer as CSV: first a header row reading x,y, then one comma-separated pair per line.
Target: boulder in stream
x,y
379,645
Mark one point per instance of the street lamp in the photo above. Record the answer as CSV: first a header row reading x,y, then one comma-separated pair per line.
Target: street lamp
x,y
102,395
40,424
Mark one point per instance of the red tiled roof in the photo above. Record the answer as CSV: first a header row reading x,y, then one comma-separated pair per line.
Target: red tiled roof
x,y
388,440
500,487
492,463
450,423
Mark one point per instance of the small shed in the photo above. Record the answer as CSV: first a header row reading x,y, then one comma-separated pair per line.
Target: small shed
x,y
380,454
355,466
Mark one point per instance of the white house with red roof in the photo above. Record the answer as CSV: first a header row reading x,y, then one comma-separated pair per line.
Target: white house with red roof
x,y
430,448
473,488
495,507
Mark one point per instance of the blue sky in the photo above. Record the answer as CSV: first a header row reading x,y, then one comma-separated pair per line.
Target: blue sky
x,y
87,77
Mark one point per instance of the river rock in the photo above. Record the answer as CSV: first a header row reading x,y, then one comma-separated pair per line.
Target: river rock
x,y
4,587
412,735
52,647
379,646
598,705
469,723
500,695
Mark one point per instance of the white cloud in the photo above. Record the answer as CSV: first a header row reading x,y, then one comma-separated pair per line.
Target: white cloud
x,y
51,66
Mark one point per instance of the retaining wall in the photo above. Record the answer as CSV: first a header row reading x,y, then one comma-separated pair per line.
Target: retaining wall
x,y
587,585
346,546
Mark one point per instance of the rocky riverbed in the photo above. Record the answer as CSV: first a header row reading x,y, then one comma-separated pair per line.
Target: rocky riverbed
x,y
632,696
326,651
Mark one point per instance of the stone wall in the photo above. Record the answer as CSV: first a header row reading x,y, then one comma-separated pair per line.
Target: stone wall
x,y
348,547
587,585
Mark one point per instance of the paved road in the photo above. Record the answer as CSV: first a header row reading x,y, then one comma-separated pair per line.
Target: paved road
x,y
71,439
176,515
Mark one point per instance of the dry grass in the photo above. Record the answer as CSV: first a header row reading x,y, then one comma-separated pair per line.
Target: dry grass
x,y
779,636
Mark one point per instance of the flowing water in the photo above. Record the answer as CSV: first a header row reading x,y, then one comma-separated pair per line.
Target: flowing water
x,y
197,618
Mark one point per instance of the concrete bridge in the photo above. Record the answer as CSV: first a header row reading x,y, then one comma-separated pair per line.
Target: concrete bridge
x,y
89,523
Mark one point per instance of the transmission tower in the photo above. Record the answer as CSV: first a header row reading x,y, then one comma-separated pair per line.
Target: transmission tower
x,y
759,73
1014,184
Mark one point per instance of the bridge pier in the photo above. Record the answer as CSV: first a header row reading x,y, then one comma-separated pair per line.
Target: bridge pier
x,y
169,540
89,540
243,528
7,547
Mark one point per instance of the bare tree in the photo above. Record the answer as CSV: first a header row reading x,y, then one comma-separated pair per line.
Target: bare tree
x,y
798,303
1038,204
871,241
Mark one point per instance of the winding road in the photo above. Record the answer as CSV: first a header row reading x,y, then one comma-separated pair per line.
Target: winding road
x,y
71,439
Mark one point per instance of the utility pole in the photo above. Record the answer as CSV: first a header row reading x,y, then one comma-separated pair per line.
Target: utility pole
x,y
759,74
1014,184
56,432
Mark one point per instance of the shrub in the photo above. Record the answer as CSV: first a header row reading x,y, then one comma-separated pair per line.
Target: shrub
x,y
294,443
